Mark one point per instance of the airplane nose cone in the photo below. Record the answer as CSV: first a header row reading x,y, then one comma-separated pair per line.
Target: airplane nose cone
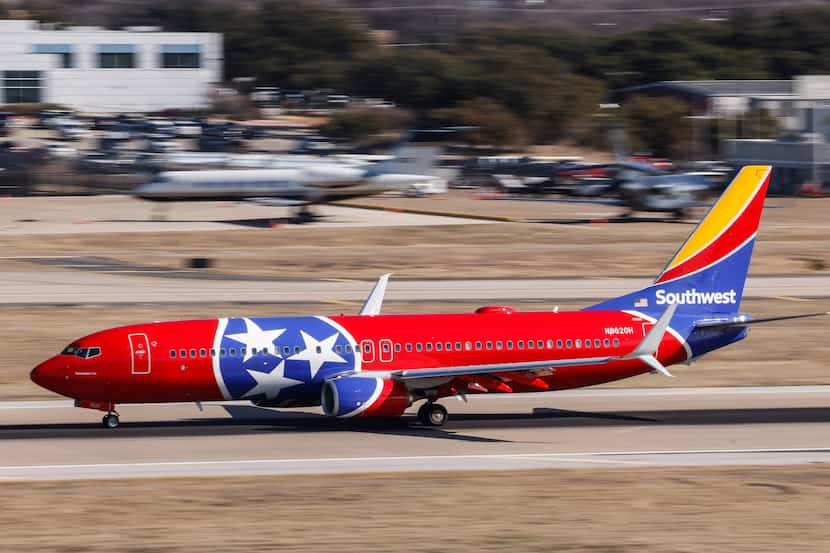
x,y
47,374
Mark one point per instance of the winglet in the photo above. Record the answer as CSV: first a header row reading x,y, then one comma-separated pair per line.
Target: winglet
x,y
374,302
646,349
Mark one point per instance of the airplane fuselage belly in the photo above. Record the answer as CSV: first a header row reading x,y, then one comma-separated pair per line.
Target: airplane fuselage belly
x,y
285,360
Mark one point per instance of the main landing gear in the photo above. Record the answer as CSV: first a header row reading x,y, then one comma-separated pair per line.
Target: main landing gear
x,y
110,420
433,414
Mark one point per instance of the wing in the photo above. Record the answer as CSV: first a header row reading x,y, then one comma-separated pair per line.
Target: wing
x,y
644,352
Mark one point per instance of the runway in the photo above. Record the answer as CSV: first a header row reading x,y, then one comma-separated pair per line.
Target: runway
x,y
27,286
585,428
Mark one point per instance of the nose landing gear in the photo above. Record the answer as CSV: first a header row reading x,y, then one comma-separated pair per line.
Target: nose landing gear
x,y
432,414
110,420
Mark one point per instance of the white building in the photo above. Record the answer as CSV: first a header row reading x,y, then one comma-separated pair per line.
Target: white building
x,y
95,70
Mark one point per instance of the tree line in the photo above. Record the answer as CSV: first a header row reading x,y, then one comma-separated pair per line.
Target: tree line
x,y
519,85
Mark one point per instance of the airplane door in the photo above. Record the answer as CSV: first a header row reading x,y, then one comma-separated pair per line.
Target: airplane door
x,y
385,350
139,354
368,349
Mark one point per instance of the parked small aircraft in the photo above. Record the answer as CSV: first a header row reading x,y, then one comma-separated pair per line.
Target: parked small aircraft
x,y
302,184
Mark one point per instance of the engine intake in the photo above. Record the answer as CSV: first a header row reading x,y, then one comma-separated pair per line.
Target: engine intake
x,y
365,396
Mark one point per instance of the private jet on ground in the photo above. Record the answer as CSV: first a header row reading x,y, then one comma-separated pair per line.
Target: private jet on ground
x,y
301,185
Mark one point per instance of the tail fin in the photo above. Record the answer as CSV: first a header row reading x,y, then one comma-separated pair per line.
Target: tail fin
x,y
410,159
708,272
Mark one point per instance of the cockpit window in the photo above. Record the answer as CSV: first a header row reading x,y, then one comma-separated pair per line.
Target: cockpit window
x,y
83,353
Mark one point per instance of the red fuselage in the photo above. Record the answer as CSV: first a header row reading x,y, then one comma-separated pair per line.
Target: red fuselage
x,y
218,359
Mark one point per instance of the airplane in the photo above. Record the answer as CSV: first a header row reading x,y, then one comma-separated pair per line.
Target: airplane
x,y
640,187
374,365
297,183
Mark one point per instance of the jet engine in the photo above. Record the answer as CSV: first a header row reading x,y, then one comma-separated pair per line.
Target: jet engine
x,y
367,396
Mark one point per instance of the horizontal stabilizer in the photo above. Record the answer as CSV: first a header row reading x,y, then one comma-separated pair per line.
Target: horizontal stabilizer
x,y
744,321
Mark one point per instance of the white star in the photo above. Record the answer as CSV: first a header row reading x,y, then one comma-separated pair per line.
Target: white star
x,y
318,352
272,383
255,338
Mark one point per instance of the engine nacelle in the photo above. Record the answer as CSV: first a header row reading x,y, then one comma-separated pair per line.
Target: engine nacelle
x,y
365,396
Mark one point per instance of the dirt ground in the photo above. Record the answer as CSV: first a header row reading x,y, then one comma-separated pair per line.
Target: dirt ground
x,y
786,353
690,510
792,240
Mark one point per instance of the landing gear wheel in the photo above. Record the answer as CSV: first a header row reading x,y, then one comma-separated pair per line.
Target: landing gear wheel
x,y
433,414
304,215
110,420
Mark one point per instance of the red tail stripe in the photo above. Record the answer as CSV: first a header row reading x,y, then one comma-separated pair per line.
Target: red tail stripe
x,y
738,233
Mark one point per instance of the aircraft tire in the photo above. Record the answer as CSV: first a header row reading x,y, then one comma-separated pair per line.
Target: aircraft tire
x,y
433,414
110,420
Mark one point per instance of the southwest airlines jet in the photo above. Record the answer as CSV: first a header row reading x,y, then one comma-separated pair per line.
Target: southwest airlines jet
x,y
374,365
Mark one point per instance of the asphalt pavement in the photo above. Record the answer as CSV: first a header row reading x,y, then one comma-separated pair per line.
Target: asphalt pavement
x,y
626,428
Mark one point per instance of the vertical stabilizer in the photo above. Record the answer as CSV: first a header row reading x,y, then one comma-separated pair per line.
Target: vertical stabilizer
x,y
708,272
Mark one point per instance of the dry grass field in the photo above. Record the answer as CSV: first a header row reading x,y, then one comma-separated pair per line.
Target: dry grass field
x,y
689,510
792,240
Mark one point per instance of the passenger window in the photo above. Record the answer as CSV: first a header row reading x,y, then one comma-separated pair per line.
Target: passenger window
x,y
297,349
384,346
489,345
243,351
579,343
616,342
438,346
203,352
408,347
349,348
182,353
193,353
530,344
569,344
318,349
448,346
172,354
559,344
233,352
468,346
429,346
397,347
520,344
510,344
286,350
550,344
540,344
418,347
212,352
498,345
458,346
223,352
597,342
338,348
478,345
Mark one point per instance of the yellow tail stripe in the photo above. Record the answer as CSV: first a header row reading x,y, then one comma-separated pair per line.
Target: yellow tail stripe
x,y
736,197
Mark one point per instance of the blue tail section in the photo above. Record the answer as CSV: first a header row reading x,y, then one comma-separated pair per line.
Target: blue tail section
x,y
707,274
